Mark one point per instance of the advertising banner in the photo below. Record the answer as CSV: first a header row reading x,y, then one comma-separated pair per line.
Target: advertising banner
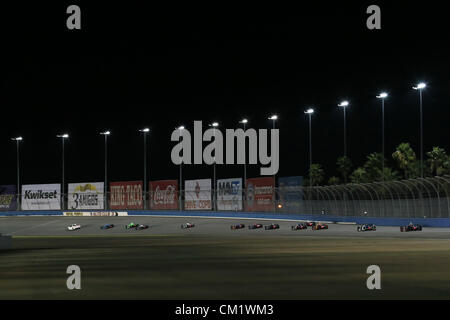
x,y
41,197
229,194
290,192
260,194
126,195
197,194
85,195
164,195
8,198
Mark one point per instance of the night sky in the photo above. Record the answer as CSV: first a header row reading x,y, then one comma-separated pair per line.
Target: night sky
x,y
161,66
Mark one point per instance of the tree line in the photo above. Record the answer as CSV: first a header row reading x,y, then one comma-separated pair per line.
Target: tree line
x,y
407,166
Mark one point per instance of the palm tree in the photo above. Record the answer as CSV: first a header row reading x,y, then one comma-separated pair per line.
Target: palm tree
x,y
344,166
406,159
333,181
438,161
374,167
359,176
316,174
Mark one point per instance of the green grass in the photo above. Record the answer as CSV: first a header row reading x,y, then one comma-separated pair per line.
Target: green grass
x,y
205,267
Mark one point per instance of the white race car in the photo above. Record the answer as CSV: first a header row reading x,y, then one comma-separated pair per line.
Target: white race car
x,y
73,227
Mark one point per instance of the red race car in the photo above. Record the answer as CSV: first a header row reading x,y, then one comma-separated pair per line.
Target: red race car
x,y
411,227
320,226
300,226
310,224
237,226
187,225
272,226
255,226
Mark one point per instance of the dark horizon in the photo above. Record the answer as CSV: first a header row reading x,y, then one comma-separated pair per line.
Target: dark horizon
x,y
130,68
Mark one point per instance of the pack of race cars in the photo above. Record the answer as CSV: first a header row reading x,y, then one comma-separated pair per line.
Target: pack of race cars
x,y
273,226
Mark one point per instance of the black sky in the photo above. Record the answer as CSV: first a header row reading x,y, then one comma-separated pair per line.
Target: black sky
x,y
160,66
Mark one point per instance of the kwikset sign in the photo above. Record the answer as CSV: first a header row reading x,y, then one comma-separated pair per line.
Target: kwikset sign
x,y
41,197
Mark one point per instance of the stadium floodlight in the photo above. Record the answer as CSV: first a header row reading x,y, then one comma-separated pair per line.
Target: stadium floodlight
x,y
214,124
180,128
344,104
309,112
63,137
105,186
145,131
382,95
274,117
243,121
18,140
420,86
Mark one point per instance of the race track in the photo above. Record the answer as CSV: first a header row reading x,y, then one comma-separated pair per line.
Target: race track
x,y
57,226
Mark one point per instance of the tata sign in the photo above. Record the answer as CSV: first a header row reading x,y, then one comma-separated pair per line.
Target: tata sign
x,y
86,195
41,197
229,194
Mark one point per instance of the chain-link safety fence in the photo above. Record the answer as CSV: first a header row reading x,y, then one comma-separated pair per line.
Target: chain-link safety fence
x,y
414,198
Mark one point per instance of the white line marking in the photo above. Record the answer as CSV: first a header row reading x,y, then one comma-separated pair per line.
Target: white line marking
x,y
33,227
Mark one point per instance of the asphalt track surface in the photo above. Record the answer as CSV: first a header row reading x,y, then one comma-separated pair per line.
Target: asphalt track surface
x,y
90,226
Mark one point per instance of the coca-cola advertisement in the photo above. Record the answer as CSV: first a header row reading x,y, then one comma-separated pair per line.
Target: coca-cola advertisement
x,y
126,195
260,194
164,195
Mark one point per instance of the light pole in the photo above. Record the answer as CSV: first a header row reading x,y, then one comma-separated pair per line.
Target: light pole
x,y
382,96
63,139
244,123
145,131
105,187
344,105
181,128
17,140
214,125
274,118
310,112
420,88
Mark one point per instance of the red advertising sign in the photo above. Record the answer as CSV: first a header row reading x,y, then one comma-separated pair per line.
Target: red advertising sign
x,y
126,195
164,195
260,194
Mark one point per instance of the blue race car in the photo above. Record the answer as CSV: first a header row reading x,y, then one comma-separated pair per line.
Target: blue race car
x,y
107,226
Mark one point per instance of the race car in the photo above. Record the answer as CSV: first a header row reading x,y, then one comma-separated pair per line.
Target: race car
x,y
320,226
272,226
310,224
255,226
73,227
131,225
300,226
187,225
107,226
142,227
411,227
237,226
366,227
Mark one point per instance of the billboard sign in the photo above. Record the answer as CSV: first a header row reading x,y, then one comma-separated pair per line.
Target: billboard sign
x,y
229,194
8,198
41,197
126,195
164,195
197,194
260,194
290,192
86,195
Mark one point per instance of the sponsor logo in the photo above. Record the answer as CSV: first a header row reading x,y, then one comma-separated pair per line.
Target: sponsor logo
x,y
40,194
166,196
96,214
